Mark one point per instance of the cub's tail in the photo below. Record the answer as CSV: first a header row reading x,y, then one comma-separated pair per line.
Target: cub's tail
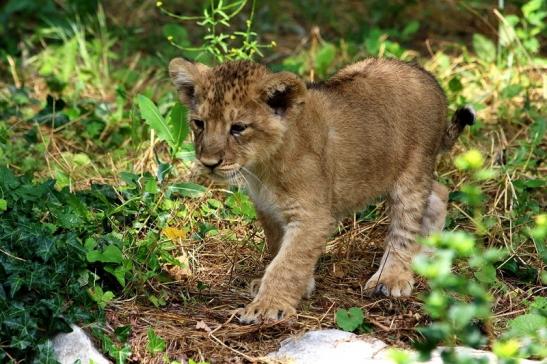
x,y
462,117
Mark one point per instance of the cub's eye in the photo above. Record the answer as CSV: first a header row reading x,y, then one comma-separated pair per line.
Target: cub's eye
x,y
237,129
198,124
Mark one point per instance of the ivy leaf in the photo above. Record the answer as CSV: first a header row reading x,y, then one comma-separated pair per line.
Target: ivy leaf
x,y
155,343
349,320
111,254
45,354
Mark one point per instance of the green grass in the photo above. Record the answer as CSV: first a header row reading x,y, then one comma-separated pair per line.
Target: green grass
x,y
99,206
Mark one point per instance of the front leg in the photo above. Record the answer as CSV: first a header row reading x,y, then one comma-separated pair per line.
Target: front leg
x,y
287,277
273,231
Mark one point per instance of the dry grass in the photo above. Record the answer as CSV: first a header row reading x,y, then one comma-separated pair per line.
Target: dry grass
x,y
200,323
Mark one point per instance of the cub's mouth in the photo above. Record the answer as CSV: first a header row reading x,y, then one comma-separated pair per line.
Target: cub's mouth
x,y
232,176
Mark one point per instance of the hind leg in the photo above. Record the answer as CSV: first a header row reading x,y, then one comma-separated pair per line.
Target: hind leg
x,y
409,201
435,213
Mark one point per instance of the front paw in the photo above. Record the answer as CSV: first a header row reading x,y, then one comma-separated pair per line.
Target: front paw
x,y
265,310
254,287
391,280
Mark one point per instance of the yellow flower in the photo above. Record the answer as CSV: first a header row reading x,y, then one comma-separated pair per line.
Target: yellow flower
x,y
172,233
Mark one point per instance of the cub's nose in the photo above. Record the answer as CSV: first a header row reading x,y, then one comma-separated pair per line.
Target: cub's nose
x,y
210,163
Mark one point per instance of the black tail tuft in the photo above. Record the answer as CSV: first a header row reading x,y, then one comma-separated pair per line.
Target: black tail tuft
x,y
462,117
465,116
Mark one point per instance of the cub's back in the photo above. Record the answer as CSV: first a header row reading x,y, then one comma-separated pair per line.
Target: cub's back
x,y
379,113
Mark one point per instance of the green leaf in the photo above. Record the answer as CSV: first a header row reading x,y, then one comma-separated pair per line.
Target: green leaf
x,y
81,159
462,314
3,204
349,320
240,204
122,332
100,297
45,354
528,324
324,58
151,186
152,117
111,254
455,85
411,28
484,48
186,189
511,91
486,274
531,7
155,343
179,125
177,34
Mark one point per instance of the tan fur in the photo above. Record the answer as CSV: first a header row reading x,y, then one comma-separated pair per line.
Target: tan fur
x,y
312,155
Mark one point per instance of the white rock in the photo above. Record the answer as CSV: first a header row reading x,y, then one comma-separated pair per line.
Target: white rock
x,y
327,347
335,346
76,345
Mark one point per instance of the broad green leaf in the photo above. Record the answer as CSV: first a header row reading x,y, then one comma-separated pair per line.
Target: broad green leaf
x,y
118,272
3,204
528,324
186,189
152,117
484,48
112,254
178,125
349,320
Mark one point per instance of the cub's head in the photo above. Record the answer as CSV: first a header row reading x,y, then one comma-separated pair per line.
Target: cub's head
x,y
238,111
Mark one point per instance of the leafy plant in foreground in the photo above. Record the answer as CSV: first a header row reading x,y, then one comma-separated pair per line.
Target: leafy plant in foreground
x,y
43,267
460,304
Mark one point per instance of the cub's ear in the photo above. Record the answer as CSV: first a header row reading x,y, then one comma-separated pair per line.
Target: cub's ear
x,y
281,91
186,76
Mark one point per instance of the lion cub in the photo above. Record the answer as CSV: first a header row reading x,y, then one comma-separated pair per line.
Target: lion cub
x,y
311,155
